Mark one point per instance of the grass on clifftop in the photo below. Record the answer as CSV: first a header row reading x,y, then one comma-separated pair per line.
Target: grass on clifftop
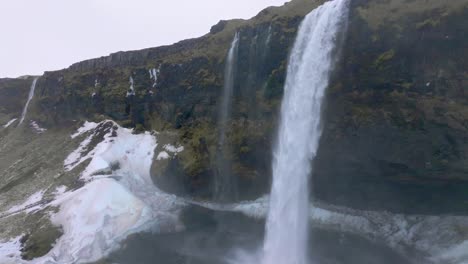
x,y
380,12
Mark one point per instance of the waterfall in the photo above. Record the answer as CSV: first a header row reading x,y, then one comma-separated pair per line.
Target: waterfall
x,y
224,188
30,96
310,65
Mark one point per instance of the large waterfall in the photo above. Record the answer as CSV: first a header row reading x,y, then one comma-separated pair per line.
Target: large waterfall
x,y
30,96
224,188
310,65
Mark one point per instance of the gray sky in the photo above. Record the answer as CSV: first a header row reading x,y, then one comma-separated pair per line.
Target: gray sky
x,y
43,35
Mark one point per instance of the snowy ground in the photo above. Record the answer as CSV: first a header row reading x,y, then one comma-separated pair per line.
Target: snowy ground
x,y
117,199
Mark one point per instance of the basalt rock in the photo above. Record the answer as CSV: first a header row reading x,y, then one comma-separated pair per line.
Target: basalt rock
x,y
395,120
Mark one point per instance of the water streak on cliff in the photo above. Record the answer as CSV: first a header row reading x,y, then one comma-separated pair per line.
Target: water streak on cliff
x,y
30,97
224,184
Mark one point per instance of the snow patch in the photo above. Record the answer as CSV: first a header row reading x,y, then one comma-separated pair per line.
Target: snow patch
x,y
37,128
169,151
32,204
10,122
173,149
87,126
131,90
76,157
95,219
163,155
154,75
60,190
10,251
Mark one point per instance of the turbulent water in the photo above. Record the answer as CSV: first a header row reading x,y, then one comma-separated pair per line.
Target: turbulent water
x,y
309,68
224,189
30,96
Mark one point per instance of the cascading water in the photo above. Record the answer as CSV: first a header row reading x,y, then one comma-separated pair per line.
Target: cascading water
x,y
310,65
30,97
224,188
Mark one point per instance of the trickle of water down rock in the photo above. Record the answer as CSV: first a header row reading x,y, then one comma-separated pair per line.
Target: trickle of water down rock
x,y
30,97
311,62
224,188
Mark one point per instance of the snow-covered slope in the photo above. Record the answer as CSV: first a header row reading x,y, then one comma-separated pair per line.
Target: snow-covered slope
x,y
118,197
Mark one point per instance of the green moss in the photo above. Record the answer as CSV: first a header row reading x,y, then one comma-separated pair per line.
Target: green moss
x,y
139,128
39,242
383,12
427,23
199,142
384,57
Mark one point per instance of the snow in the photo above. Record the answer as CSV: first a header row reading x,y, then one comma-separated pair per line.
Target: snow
x,y
37,128
154,75
131,90
60,190
87,126
173,149
10,251
98,216
95,219
31,204
133,153
163,155
75,158
10,122
170,151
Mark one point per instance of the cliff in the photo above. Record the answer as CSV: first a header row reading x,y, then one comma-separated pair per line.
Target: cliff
x,y
396,116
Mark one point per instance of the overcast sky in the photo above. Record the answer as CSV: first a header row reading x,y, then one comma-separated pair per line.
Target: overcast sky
x,y
43,35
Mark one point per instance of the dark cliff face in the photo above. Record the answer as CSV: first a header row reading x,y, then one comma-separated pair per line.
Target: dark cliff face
x,y
13,96
185,99
395,120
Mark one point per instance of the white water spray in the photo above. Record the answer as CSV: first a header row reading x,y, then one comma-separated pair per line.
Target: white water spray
x,y
310,65
30,97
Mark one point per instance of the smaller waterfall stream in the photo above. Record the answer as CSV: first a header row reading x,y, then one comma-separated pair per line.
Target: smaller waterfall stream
x,y
224,188
309,68
30,97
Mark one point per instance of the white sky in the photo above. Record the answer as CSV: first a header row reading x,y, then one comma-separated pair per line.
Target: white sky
x,y
44,35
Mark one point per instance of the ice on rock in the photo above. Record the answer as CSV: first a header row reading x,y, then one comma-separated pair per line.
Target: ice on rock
x,y
154,75
163,155
87,126
173,149
35,126
10,251
131,90
98,216
9,123
31,204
